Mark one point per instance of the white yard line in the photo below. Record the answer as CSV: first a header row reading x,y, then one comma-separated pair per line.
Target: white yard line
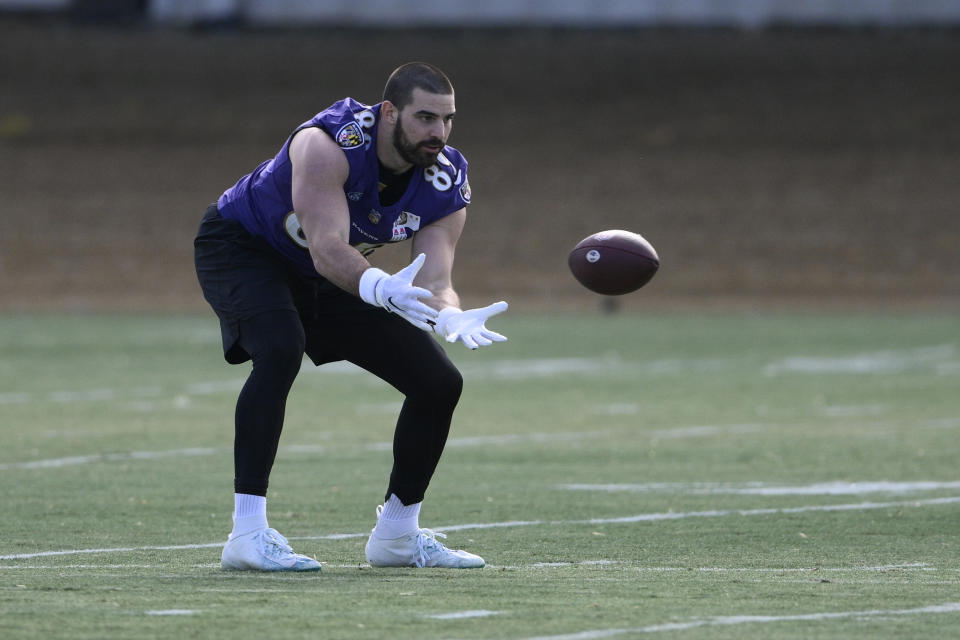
x,y
705,430
943,423
513,438
862,506
459,615
170,612
69,461
726,621
873,362
507,370
851,410
643,517
941,359
556,565
73,552
84,567
475,441
618,565
761,489
916,566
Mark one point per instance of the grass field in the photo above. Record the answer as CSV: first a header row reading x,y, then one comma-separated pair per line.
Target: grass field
x,y
667,475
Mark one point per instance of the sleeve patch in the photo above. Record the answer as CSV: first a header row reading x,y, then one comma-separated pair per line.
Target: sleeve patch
x,y
350,136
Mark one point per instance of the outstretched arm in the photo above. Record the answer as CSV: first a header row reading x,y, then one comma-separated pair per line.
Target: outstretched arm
x,y
438,241
319,172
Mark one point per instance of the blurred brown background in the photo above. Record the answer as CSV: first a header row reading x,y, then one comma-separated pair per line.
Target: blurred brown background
x,y
784,167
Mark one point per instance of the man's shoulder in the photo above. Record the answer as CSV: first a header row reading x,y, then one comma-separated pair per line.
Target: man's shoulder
x,y
315,148
348,122
346,110
349,106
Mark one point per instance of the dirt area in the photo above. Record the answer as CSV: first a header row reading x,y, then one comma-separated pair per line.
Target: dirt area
x,y
817,167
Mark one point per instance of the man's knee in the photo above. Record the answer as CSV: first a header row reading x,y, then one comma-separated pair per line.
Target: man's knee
x,y
445,385
274,340
454,384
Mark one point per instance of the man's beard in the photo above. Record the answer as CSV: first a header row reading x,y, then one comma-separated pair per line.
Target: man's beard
x,y
412,152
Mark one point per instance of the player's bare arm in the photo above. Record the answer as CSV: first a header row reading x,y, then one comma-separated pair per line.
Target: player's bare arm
x,y
439,242
319,171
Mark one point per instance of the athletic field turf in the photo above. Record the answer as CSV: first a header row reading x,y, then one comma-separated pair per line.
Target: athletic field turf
x,y
667,475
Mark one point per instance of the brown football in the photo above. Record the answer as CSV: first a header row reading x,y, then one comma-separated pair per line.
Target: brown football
x,y
613,262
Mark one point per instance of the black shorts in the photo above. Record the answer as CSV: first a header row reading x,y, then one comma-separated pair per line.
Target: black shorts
x,y
242,276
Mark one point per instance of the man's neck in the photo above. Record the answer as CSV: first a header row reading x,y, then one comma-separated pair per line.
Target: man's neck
x,y
387,154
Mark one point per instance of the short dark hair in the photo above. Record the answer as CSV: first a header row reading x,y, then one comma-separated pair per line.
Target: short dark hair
x,y
413,75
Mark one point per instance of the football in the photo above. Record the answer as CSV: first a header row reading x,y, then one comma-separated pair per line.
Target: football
x,y
613,262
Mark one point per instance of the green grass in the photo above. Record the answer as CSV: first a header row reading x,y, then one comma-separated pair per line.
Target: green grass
x,y
117,434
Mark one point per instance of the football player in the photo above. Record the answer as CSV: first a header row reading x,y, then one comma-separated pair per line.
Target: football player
x,y
282,259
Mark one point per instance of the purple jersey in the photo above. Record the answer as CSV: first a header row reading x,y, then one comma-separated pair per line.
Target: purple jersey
x,y
263,202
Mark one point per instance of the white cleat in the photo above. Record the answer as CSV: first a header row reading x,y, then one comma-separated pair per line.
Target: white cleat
x,y
264,550
420,549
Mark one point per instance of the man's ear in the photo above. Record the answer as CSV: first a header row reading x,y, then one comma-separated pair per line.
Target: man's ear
x,y
389,112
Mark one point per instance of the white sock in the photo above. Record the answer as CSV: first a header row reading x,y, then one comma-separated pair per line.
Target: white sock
x,y
249,513
397,519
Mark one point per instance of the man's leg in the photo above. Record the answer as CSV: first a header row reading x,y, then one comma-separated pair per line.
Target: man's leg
x,y
274,340
413,362
251,296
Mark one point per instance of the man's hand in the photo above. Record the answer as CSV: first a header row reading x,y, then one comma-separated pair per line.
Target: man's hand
x,y
396,294
469,326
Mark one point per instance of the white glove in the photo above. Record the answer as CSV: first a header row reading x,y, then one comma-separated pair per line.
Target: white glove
x,y
469,326
395,293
